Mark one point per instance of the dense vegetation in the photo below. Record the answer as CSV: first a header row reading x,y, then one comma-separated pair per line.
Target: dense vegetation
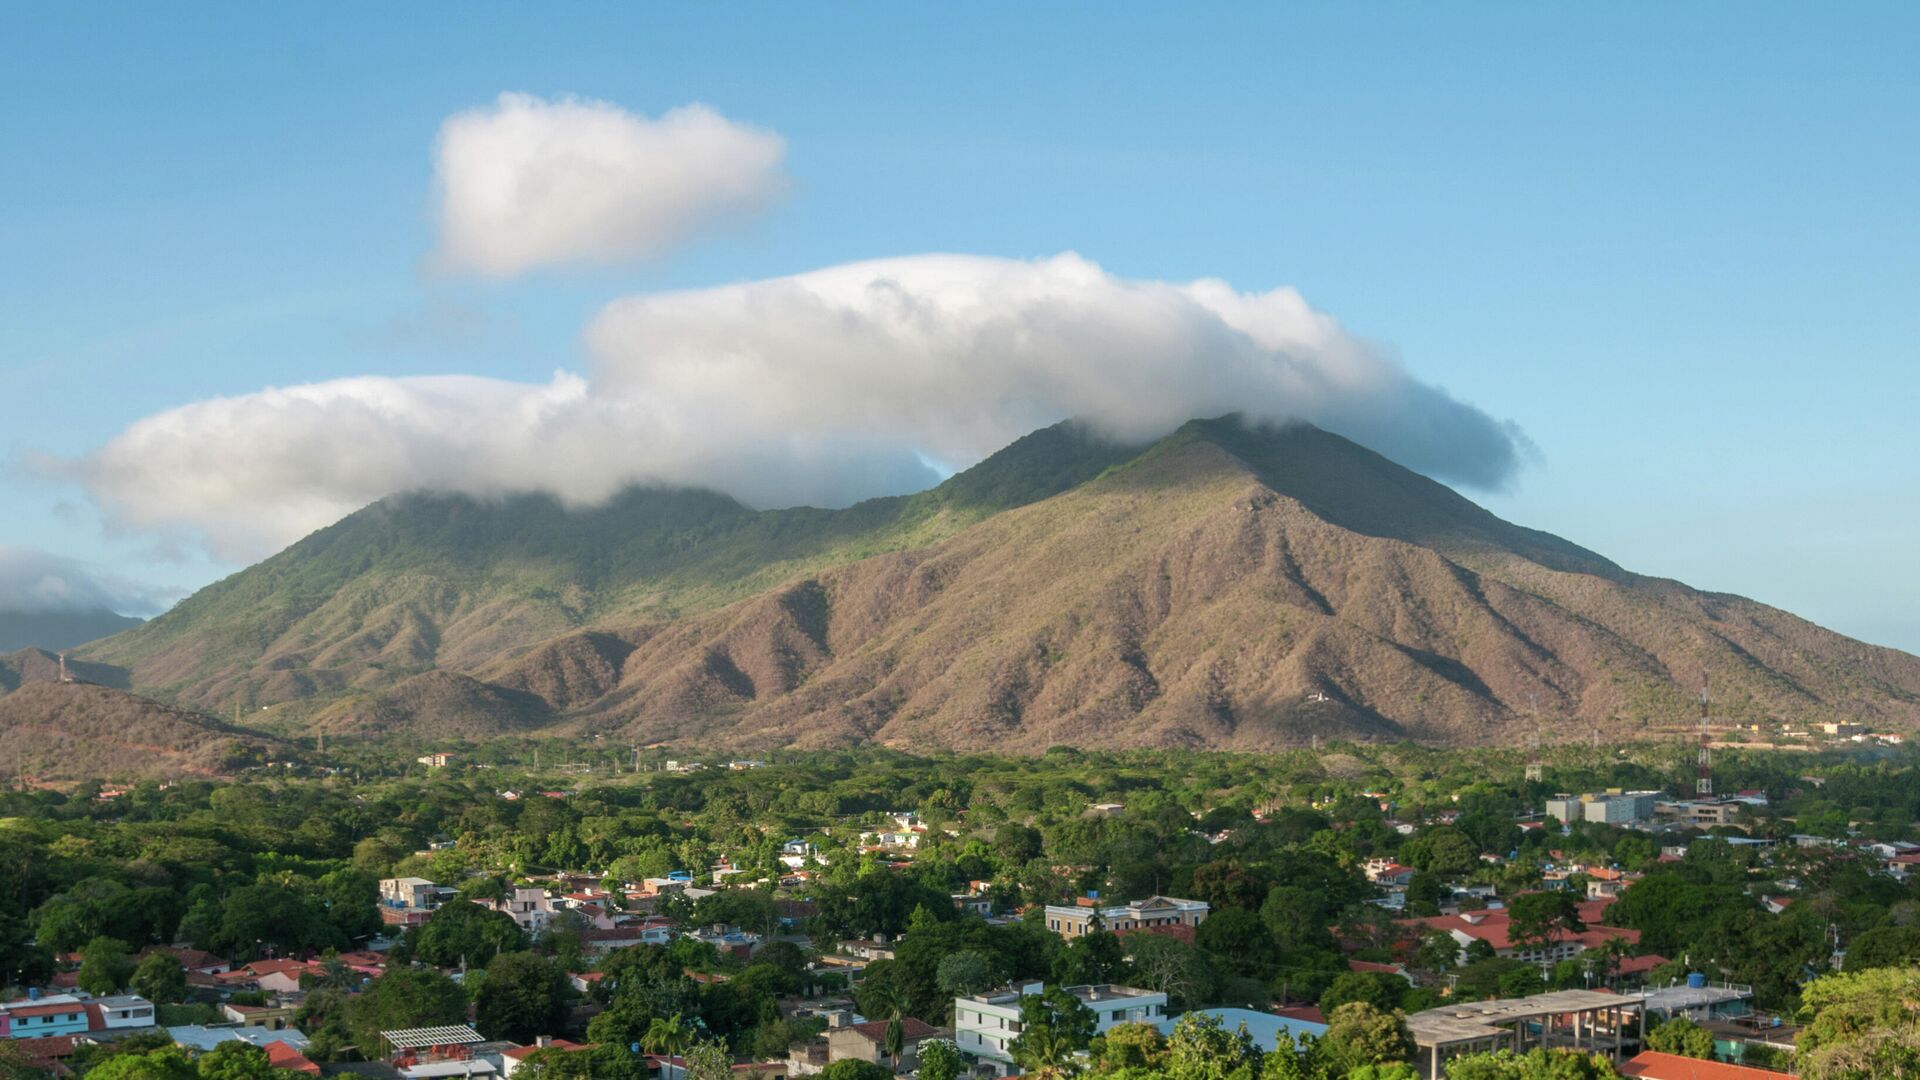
x,y
287,863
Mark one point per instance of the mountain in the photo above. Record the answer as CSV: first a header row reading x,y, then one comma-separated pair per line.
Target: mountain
x,y
1223,587
52,731
57,630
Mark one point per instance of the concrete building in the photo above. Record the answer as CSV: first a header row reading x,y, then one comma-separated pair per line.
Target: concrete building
x,y
987,1024
36,1018
1071,921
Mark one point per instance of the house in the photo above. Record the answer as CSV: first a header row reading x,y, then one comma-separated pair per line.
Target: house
x,y
868,1042
413,894
1495,928
120,1012
267,976
1265,1028
282,1056
1388,873
1085,914
511,1060
1657,1066
194,960
200,1038
435,761
40,1017
985,1024
530,907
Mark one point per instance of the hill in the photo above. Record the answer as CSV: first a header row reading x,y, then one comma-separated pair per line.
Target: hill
x,y
1226,587
39,665
52,732
57,630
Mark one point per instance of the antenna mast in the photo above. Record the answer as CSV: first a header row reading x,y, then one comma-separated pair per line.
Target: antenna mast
x,y
64,676
1703,784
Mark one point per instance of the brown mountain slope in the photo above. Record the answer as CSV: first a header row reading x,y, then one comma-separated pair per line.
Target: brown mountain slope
x,y
1183,600
39,665
1225,587
54,731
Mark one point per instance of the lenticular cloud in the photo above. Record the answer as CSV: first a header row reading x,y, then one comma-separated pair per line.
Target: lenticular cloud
x,y
821,388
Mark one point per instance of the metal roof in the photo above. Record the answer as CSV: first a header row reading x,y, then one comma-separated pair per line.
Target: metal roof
x,y
416,1038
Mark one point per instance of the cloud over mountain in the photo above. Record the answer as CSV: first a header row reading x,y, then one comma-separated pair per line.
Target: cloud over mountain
x,y
528,183
820,388
39,582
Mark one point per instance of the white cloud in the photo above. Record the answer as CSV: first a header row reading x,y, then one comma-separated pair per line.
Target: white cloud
x,y
527,183
821,388
32,580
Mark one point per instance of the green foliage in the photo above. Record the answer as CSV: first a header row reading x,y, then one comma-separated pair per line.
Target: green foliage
x,y
1358,1035
1054,1025
940,1060
1862,1026
406,998
105,966
160,979
460,933
524,995
1537,1064
1681,1036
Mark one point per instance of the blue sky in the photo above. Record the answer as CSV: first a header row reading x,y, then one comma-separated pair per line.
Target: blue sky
x,y
1675,244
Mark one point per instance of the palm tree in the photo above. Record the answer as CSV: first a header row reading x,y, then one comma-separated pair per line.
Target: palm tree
x,y
668,1036
889,1000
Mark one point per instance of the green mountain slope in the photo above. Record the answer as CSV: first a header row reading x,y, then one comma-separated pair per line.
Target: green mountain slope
x,y
422,582
1226,586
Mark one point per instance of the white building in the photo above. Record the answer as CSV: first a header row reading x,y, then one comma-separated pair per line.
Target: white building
x,y
985,1025
1071,921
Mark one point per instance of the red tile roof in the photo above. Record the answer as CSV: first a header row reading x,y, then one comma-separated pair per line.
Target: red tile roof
x,y
521,1053
1310,1013
282,1056
876,1030
1180,932
1657,1066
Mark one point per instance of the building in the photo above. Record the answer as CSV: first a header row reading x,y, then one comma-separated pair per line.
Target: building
x,y
1389,874
1612,807
1657,1066
986,1024
1265,1028
38,1018
436,761
511,1060
122,1012
868,1042
413,893
530,907
1495,928
1080,918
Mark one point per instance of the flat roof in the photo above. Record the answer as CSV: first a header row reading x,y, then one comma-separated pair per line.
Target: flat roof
x,y
1468,1021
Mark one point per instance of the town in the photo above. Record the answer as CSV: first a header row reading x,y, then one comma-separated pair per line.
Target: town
x,y
1354,911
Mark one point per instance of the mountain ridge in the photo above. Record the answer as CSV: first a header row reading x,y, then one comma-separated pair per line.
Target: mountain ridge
x,y
1226,585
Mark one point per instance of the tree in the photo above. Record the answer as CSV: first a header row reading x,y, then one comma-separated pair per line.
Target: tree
x,y
460,933
667,1035
1170,966
708,1060
236,1060
105,966
407,998
854,1069
965,972
1091,959
1361,986
940,1060
1054,1026
1442,851
1681,1036
160,979
1129,1046
1863,1026
1358,1034
169,1063
1537,1064
1200,1049
1539,917
524,995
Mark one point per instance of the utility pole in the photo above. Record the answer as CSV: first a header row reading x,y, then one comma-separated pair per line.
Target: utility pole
x,y
1703,784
